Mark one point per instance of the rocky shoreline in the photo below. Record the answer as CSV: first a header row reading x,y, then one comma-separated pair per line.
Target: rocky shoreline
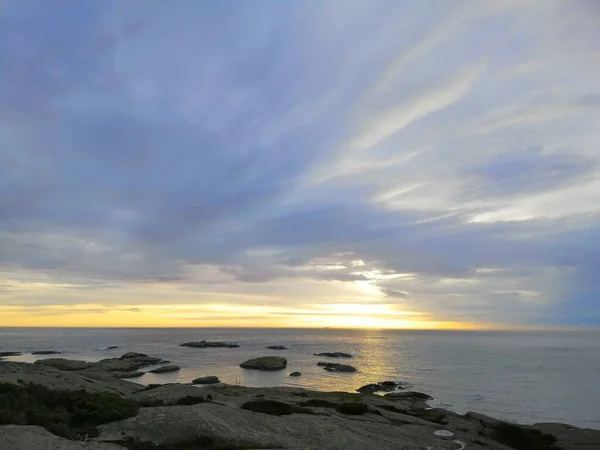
x,y
118,414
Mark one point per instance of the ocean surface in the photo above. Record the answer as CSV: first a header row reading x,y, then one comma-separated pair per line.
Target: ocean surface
x,y
524,377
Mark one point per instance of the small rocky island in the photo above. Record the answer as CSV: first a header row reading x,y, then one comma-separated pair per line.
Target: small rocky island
x,y
208,344
90,409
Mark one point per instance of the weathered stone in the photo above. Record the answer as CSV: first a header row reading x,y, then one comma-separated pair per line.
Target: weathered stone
x,y
52,378
169,394
166,369
334,367
65,364
335,355
569,437
18,437
206,380
208,344
265,363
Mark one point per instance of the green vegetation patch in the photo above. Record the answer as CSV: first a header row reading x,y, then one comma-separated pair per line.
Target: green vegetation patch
x,y
274,408
71,414
521,438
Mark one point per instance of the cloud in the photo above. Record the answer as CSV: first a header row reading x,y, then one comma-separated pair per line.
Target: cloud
x,y
439,160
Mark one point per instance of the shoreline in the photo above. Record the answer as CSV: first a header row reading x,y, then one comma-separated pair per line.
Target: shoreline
x,y
180,416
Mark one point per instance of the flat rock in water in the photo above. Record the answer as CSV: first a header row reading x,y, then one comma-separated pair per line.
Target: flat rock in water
x,y
410,395
208,344
112,347
334,355
46,352
18,437
295,374
206,380
382,386
166,369
133,355
65,364
265,363
4,354
334,367
276,347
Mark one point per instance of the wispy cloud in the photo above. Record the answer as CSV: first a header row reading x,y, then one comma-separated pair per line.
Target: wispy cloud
x,y
441,160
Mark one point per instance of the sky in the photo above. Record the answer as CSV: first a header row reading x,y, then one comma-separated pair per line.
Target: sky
x,y
340,163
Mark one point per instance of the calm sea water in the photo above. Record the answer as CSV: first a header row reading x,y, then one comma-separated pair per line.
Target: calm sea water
x,y
525,377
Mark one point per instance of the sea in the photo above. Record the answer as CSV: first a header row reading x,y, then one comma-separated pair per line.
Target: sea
x,y
523,377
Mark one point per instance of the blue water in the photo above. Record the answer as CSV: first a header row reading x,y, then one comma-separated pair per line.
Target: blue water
x,y
525,377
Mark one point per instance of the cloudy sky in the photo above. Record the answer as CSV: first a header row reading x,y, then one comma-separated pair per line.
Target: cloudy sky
x,y
420,164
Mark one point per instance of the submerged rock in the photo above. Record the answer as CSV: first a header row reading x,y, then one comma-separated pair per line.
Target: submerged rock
x,y
265,363
208,344
206,380
276,347
112,347
65,364
334,367
46,352
295,374
166,369
4,354
335,355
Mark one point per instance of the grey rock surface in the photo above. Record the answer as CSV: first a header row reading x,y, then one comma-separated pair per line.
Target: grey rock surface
x,y
206,380
168,394
53,378
166,369
265,363
64,364
17,437
295,374
569,437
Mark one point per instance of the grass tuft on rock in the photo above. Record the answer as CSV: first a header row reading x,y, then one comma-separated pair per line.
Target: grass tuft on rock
x,y
274,408
70,414
522,438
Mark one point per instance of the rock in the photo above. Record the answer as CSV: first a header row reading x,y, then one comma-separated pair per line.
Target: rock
x,y
65,364
383,386
233,427
112,347
134,374
170,394
265,363
166,369
133,355
18,437
208,344
206,380
52,378
5,354
483,419
46,352
410,395
276,347
295,374
569,437
334,355
334,367
128,364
